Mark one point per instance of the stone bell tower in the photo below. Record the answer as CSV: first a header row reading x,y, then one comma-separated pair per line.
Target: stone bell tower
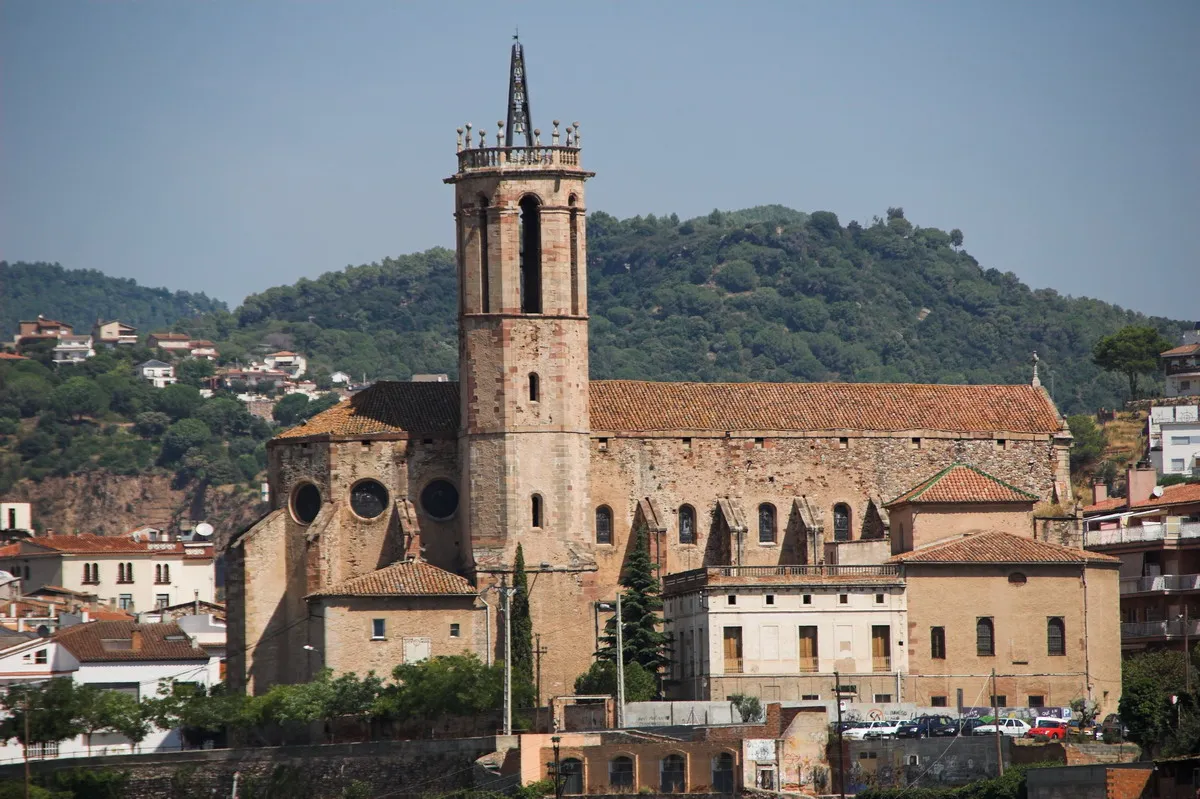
x,y
523,340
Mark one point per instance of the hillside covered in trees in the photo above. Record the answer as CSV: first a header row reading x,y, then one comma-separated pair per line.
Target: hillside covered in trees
x,y
761,294
81,296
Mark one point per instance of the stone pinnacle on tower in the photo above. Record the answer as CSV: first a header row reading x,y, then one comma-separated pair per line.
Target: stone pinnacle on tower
x,y
518,99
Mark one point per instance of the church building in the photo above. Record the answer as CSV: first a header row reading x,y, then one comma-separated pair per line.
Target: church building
x,y
393,514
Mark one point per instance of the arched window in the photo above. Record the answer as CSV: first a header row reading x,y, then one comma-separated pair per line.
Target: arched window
x,y
722,773
673,774
572,202
687,524
485,283
129,572
604,521
1056,636
766,523
120,572
985,637
937,643
620,772
535,388
536,510
571,771
841,522
531,255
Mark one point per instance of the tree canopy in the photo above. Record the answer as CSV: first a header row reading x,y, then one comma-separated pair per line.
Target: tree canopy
x,y
1132,351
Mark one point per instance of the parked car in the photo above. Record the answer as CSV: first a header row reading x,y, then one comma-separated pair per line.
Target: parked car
x,y
928,727
1053,729
1014,728
969,726
872,729
1112,726
1076,727
846,726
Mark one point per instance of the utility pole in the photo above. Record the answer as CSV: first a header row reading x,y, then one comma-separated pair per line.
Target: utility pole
x,y
1187,655
996,724
26,746
506,599
837,697
620,667
538,651
558,777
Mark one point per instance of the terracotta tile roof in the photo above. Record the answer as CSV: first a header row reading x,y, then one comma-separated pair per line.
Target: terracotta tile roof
x,y
638,406
1181,494
12,356
171,336
87,642
1184,349
110,615
388,407
88,543
406,578
998,547
10,550
958,483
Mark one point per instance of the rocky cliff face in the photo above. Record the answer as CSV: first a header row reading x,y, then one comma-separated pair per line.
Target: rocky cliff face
x,y
107,504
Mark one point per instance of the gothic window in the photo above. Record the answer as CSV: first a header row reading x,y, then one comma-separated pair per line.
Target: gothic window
x,y
985,637
687,524
841,522
604,520
1056,636
306,503
766,523
535,388
571,772
439,499
572,201
531,255
673,774
620,772
937,643
485,282
536,510
368,499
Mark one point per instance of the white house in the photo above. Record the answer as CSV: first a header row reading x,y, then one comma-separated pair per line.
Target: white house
x,y
73,349
204,349
1174,435
136,659
16,516
782,632
292,363
158,373
132,574
1181,366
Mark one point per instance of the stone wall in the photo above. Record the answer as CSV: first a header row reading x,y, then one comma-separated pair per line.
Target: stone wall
x,y
314,772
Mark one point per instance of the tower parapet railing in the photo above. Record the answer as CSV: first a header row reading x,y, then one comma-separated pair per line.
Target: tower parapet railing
x,y
557,153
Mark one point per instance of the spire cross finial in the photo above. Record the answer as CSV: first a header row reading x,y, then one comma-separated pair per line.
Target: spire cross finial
x,y
1036,380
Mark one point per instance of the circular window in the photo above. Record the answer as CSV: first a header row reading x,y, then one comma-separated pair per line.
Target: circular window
x,y
368,499
1016,578
306,503
440,499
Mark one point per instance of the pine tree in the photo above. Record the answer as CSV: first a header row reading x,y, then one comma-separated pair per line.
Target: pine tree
x,y
641,600
522,633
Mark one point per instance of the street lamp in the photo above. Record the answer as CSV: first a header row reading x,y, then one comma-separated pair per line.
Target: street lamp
x,y
311,650
556,769
620,656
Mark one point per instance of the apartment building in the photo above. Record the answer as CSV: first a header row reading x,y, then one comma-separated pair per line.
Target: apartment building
x,y
128,573
1181,366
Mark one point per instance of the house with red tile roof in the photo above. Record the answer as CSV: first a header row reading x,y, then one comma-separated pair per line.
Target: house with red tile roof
x,y
1181,366
122,655
132,573
525,449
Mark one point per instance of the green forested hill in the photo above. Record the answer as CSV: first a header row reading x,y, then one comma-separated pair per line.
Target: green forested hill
x,y
766,293
81,296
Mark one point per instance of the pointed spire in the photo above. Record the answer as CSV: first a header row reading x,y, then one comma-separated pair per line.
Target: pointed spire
x,y
519,125
1036,381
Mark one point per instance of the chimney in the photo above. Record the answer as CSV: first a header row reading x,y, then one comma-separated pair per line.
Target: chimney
x,y
1099,491
135,640
1140,482
84,616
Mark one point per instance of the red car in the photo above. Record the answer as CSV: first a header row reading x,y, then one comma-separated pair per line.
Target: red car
x,y
1048,728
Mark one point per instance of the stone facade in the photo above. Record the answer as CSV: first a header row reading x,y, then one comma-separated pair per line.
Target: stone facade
x,y
526,451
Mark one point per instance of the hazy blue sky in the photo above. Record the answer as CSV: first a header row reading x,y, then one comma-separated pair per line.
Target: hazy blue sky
x,y
232,146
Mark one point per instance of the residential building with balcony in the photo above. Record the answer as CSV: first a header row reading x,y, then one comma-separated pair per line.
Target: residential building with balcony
x,y
172,342
130,574
29,331
782,632
114,334
73,349
1181,366
291,363
1155,532
1174,439
156,372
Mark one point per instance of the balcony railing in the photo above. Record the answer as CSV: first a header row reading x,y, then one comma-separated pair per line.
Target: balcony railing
x,y
809,665
1172,628
1163,582
1151,531
518,157
826,573
881,663
733,665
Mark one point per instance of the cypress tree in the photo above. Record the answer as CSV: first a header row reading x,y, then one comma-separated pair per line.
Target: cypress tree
x,y
522,633
640,603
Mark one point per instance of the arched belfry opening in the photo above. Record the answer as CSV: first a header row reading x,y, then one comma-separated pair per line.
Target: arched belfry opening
x,y
572,203
531,255
485,305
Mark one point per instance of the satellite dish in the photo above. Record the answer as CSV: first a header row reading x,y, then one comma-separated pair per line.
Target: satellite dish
x,y
43,631
203,529
1157,491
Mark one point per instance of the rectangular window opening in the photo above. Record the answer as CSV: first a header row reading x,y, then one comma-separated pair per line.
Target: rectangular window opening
x,y
937,701
810,697
879,599
687,443
999,701
770,599
378,629
843,599
732,637
759,443
808,649
1037,700
806,599
602,444
454,631
915,443
731,599
844,442
883,697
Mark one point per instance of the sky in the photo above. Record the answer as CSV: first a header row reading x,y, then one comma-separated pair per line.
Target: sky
x,y
230,146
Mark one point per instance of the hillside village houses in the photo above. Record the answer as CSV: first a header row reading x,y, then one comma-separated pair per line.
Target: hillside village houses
x,y
114,333
819,541
1182,366
158,373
